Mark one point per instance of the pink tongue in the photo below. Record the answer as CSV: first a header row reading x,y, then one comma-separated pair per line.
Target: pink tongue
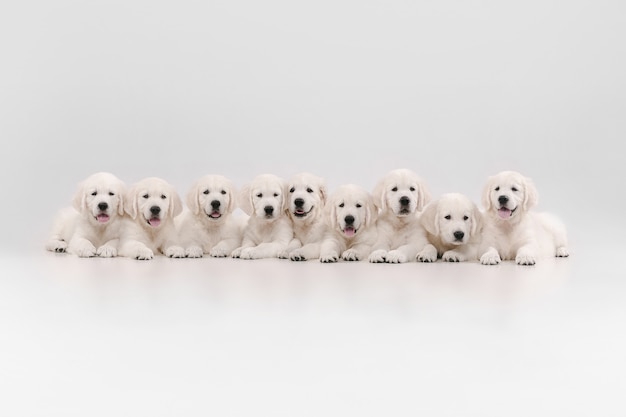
x,y
504,213
103,218
349,231
215,214
154,222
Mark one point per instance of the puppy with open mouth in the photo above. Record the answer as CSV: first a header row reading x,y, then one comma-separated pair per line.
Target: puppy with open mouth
x,y
512,229
268,230
152,205
351,216
208,226
307,197
92,226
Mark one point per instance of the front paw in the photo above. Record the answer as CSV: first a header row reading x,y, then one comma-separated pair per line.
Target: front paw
x,y
144,254
378,256
249,253
175,252
106,252
236,253
350,255
283,255
193,252
86,250
562,252
58,246
490,258
427,255
297,255
329,258
452,256
219,252
396,257
525,259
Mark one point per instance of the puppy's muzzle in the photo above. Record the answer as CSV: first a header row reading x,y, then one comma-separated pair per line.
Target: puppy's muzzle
x,y
103,217
269,211
458,236
215,210
299,210
405,204
349,230
504,212
155,216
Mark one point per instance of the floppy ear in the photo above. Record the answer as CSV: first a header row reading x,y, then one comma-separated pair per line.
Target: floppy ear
x,y
120,207
131,203
192,198
371,212
330,214
176,204
486,197
429,218
379,195
323,194
244,199
477,221
531,196
423,196
284,204
78,202
231,192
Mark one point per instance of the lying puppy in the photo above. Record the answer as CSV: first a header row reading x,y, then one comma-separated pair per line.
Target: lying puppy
x,y
307,197
512,230
208,226
399,195
351,216
152,205
454,225
92,226
268,230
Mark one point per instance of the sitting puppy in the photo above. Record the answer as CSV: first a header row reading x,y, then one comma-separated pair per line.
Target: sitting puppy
x,y
152,205
208,226
351,216
512,230
453,224
399,195
92,226
268,230
307,197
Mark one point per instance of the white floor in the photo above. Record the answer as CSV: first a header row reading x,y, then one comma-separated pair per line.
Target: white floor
x,y
117,337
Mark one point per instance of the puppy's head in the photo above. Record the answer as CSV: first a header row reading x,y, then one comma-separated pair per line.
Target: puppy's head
x,y
508,194
100,197
153,201
402,192
307,196
454,218
350,209
264,197
211,197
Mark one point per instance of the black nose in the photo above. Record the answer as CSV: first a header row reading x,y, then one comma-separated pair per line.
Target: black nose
x,y
404,201
503,199
103,206
458,235
155,209
349,219
299,202
269,209
215,204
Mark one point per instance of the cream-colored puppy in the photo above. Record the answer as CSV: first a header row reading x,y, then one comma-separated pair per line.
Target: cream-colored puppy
x,y
268,230
92,226
208,225
512,230
152,204
307,197
400,195
351,216
454,227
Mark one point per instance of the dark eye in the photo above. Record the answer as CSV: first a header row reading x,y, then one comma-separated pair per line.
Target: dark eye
x,y
94,193
260,195
394,189
341,205
292,189
412,188
206,192
448,217
146,196
497,188
465,218
163,196
309,190
358,205
111,193
513,189
223,192
275,194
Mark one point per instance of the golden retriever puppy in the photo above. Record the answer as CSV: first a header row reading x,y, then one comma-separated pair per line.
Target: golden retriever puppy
x,y
512,229
92,226
208,225
351,216
268,230
307,197
400,196
151,205
454,227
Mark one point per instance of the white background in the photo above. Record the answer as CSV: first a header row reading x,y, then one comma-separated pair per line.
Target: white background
x,y
454,90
